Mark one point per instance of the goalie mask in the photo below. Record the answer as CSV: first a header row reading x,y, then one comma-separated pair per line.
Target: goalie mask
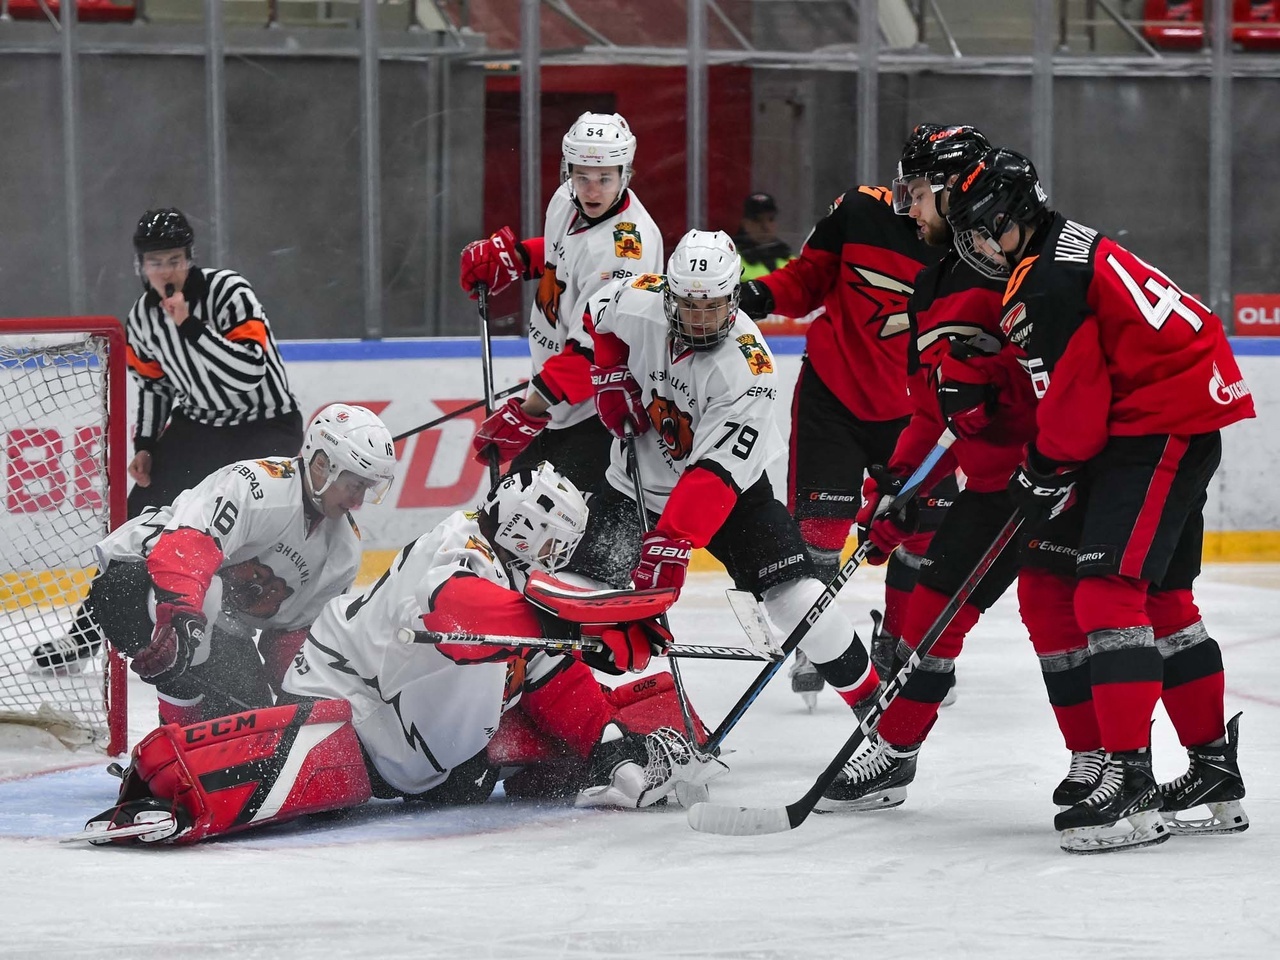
x,y
701,294
537,517
996,206
360,458
595,145
935,153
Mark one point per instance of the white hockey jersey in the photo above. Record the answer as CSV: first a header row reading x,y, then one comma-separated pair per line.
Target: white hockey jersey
x,y
273,574
418,713
581,258
714,407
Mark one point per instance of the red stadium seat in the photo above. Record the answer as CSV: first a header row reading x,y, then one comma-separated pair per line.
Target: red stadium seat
x,y
1174,24
1256,24
100,11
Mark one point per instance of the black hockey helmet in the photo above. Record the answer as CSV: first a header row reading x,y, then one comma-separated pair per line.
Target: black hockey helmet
x,y
999,191
936,152
163,229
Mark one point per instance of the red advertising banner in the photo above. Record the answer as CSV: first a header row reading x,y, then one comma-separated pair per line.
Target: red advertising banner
x,y
1257,315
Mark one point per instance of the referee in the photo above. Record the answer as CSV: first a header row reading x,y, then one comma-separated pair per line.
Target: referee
x,y
212,386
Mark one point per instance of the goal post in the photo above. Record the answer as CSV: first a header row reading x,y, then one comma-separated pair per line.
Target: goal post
x,y
63,456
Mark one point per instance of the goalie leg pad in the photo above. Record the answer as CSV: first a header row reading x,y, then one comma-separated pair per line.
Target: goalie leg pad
x,y
252,768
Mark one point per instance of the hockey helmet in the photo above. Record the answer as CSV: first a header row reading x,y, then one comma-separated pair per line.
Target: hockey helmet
x,y
701,291
357,447
999,192
537,516
163,229
935,152
598,140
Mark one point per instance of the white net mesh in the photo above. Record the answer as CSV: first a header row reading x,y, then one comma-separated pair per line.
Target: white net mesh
x,y
53,429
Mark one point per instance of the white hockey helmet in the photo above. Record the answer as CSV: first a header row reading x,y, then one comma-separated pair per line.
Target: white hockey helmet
x,y
353,440
598,140
537,516
701,296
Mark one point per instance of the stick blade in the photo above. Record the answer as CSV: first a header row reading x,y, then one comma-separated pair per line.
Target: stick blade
x,y
738,821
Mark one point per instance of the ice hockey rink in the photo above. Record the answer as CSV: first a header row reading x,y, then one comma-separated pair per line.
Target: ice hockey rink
x,y
969,867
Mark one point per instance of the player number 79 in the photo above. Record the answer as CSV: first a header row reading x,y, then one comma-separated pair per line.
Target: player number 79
x,y
746,439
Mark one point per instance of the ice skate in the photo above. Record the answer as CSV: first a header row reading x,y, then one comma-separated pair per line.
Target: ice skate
x,y
1082,777
1212,780
64,656
1122,811
146,820
629,770
806,681
875,779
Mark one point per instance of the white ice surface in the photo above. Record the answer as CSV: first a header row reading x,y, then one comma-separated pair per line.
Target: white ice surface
x,y
969,867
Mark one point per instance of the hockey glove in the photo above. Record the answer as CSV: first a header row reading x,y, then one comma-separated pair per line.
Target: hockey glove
x,y
178,634
628,646
508,430
1042,488
966,397
618,400
755,299
497,261
664,561
878,520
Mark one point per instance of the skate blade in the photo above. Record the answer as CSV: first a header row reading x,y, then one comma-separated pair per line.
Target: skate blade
x,y
884,800
102,833
1224,817
1140,830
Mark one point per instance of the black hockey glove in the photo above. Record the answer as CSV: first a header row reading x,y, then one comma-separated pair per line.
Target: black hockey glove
x,y
1042,488
755,299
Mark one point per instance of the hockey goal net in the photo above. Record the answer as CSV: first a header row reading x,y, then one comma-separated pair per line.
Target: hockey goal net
x,y
63,456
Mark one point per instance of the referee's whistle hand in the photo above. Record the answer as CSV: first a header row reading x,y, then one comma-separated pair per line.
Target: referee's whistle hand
x,y
140,468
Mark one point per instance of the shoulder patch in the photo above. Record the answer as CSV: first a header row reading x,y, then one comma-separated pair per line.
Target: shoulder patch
x,y
877,193
649,281
758,359
1015,279
280,469
626,240
479,546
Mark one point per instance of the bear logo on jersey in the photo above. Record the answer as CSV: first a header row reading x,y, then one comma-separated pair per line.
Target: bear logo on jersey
x,y
758,359
251,587
547,297
674,426
626,241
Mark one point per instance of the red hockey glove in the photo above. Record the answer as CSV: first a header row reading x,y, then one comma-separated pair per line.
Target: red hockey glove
x,y
618,400
628,646
1042,488
509,429
878,522
966,395
664,561
178,634
497,262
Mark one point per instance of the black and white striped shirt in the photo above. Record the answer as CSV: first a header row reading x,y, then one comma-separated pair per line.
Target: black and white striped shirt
x,y
220,368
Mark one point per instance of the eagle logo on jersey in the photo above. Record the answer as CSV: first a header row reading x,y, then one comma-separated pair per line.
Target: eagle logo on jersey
x,y
548,296
674,426
649,281
626,240
280,469
758,359
887,294
479,546
252,588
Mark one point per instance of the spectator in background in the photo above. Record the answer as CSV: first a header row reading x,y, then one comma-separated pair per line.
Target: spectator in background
x,y
758,246
212,386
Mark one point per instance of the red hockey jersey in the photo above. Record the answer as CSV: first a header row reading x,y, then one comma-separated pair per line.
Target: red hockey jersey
x,y
1115,348
952,301
860,262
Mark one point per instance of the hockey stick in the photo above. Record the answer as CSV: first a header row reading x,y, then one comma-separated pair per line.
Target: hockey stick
x,y
909,489
753,821
682,695
585,644
445,418
486,364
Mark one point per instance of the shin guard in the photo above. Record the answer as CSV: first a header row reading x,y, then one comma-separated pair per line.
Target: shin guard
x,y
1045,601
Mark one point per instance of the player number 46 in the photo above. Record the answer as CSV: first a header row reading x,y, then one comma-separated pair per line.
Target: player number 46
x,y
1168,298
746,439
